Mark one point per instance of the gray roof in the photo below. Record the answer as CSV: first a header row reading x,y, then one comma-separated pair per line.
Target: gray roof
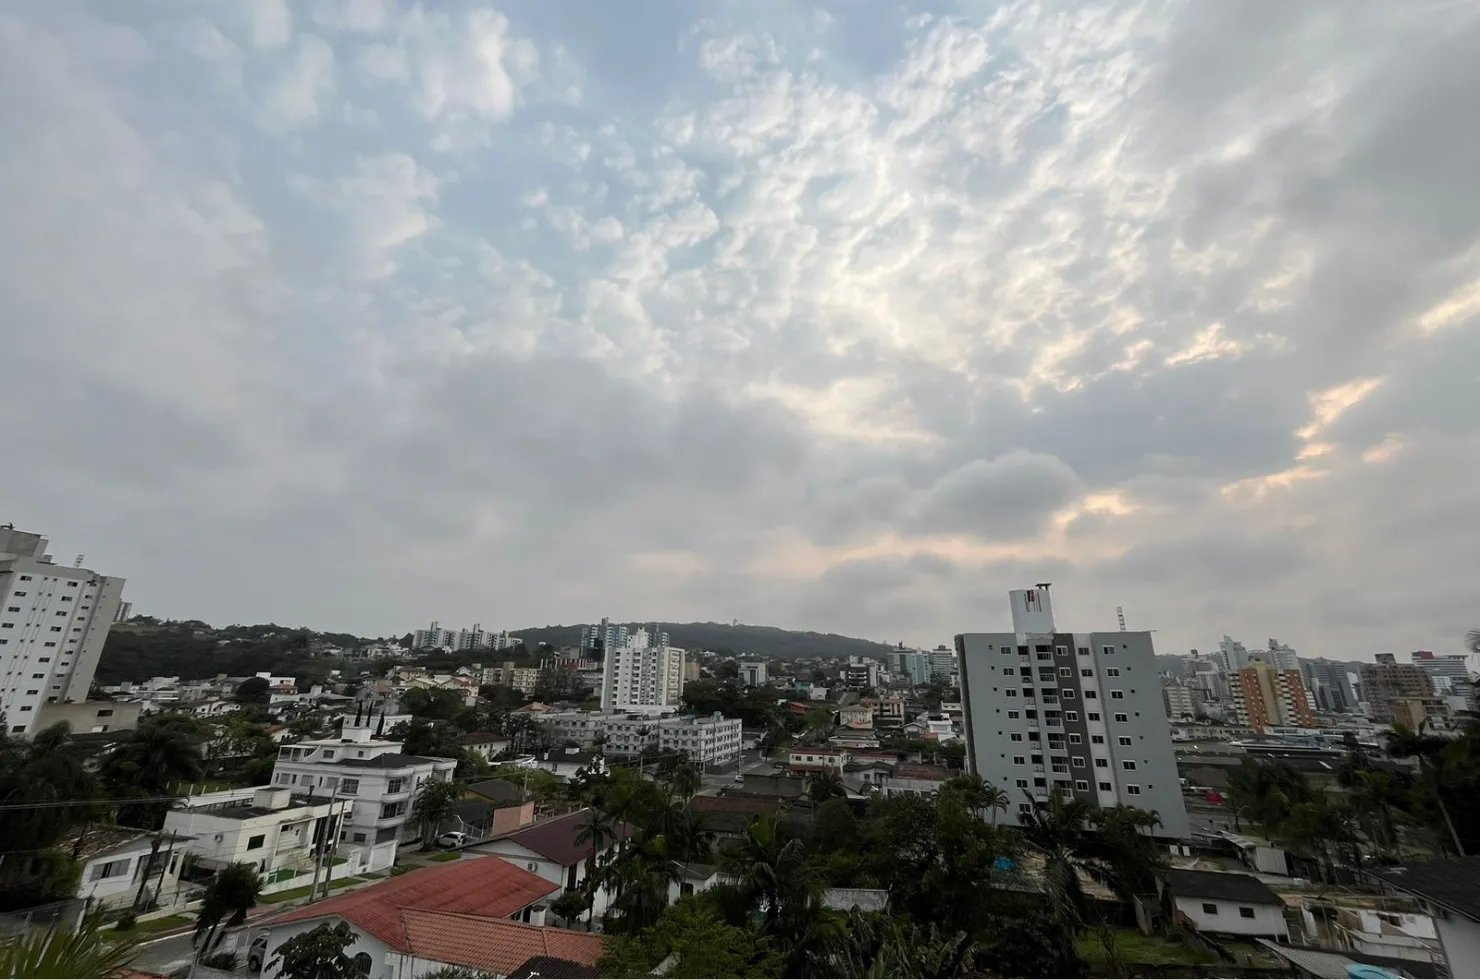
x,y
390,760
1452,884
1227,886
1334,964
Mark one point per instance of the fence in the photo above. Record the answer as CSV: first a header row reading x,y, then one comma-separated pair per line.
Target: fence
x,y
64,915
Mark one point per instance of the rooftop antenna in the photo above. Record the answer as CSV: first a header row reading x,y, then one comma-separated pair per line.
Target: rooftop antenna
x,y
1120,615
78,562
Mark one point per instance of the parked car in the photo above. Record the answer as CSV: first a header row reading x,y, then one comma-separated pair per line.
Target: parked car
x,y
453,838
257,954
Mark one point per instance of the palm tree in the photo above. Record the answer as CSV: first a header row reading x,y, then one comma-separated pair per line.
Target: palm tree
x,y
228,898
434,804
55,953
646,872
1376,795
978,794
826,784
684,781
161,754
770,873
49,768
1404,742
598,833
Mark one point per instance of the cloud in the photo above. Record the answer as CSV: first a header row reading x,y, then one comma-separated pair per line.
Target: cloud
x,y
846,322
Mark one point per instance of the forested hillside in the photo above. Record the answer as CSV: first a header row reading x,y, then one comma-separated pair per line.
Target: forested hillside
x,y
766,641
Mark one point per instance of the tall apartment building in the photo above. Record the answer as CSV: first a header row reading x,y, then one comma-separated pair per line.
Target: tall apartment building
x,y
1266,697
1329,684
1078,713
913,665
605,635
1179,701
1232,654
641,676
1387,681
1282,656
434,637
942,664
54,620
1443,665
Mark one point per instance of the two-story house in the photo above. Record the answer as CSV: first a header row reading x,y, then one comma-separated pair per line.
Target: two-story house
x,y
553,849
374,773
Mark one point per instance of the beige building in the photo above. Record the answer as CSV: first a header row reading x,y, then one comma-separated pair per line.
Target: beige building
x,y
1266,697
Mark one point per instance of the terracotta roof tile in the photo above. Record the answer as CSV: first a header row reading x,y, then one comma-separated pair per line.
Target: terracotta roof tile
x,y
494,945
475,886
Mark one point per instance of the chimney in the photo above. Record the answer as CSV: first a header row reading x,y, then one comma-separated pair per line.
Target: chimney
x,y
272,798
537,915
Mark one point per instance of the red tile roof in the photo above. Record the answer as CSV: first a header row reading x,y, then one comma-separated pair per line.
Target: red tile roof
x,y
490,887
556,839
493,945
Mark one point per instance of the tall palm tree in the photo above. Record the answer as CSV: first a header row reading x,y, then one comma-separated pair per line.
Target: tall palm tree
x,y
434,804
160,755
597,834
979,794
1403,743
55,953
48,768
646,871
228,898
770,873
684,781
826,784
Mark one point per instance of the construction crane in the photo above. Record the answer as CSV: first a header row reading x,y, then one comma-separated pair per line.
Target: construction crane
x,y
1120,615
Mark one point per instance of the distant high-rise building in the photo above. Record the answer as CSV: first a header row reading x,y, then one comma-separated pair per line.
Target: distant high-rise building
x,y
1179,700
1282,656
434,637
1329,684
1387,681
1233,655
1266,697
605,635
913,665
1443,665
1076,713
54,620
638,675
942,664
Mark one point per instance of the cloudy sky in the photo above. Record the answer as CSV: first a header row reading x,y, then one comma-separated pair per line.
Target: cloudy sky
x,y
845,316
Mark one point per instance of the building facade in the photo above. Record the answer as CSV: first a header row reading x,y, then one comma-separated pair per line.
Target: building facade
x,y
1265,697
1387,681
712,741
753,673
1078,713
54,620
640,676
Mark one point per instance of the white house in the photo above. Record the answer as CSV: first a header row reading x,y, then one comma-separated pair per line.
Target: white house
x,y
1228,904
271,829
116,861
552,849
374,773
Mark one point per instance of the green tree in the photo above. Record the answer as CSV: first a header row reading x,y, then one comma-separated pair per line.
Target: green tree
x,y
49,768
979,795
226,902
825,785
570,906
1404,742
684,781
597,834
701,942
320,952
56,953
835,826
253,690
435,803
157,757
642,873
884,946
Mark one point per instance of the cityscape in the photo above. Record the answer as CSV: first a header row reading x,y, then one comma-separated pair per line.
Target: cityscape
x,y
855,488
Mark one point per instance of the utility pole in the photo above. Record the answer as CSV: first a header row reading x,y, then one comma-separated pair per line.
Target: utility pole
x,y
323,844
333,840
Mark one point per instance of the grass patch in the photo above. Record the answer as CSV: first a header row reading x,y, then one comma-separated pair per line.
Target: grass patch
x,y
292,893
1135,948
446,856
149,927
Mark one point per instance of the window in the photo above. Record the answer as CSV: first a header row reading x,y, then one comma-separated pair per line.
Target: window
x,y
1086,672
1078,761
18,592
25,578
1075,738
1025,808
1012,713
1121,716
1066,671
1102,764
1124,739
397,785
1011,692
1112,671
1097,739
1016,736
1068,693
1037,759
1022,784
349,787
392,810
256,841
1133,790
7,626
1071,715
1061,651
1040,782
1244,912
1117,695
56,629
1094,716
1129,765
1081,784
110,869
13,609
1209,908
1084,651
1017,760
1031,714
328,754
363,964
1107,651
1104,787
358,838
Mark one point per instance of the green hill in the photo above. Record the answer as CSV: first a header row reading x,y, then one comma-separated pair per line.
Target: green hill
x,y
761,641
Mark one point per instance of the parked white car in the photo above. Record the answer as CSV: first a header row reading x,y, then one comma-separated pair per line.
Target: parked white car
x,y
453,838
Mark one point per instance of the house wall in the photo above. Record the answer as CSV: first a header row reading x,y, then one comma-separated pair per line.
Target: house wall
x,y
510,818
379,952
1461,940
557,875
1269,920
120,887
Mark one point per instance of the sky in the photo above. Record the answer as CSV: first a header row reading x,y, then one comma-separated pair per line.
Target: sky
x,y
846,316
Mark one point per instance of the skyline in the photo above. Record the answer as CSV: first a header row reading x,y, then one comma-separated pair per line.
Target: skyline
x,y
849,318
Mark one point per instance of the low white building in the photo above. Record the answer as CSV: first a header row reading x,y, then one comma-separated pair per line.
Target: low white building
x,y
116,864
553,850
374,773
753,673
269,828
713,741
1228,904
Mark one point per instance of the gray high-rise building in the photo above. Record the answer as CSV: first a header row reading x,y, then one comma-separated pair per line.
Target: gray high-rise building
x,y
1078,713
54,620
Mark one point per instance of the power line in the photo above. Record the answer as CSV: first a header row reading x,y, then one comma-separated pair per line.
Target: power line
x,y
110,801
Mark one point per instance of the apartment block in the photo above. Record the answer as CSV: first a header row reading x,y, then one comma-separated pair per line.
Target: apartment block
x,y
54,620
753,673
1265,696
1077,713
1387,681
641,676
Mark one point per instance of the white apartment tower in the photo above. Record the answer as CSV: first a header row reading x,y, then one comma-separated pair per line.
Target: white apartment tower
x,y
1076,713
54,620
640,675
